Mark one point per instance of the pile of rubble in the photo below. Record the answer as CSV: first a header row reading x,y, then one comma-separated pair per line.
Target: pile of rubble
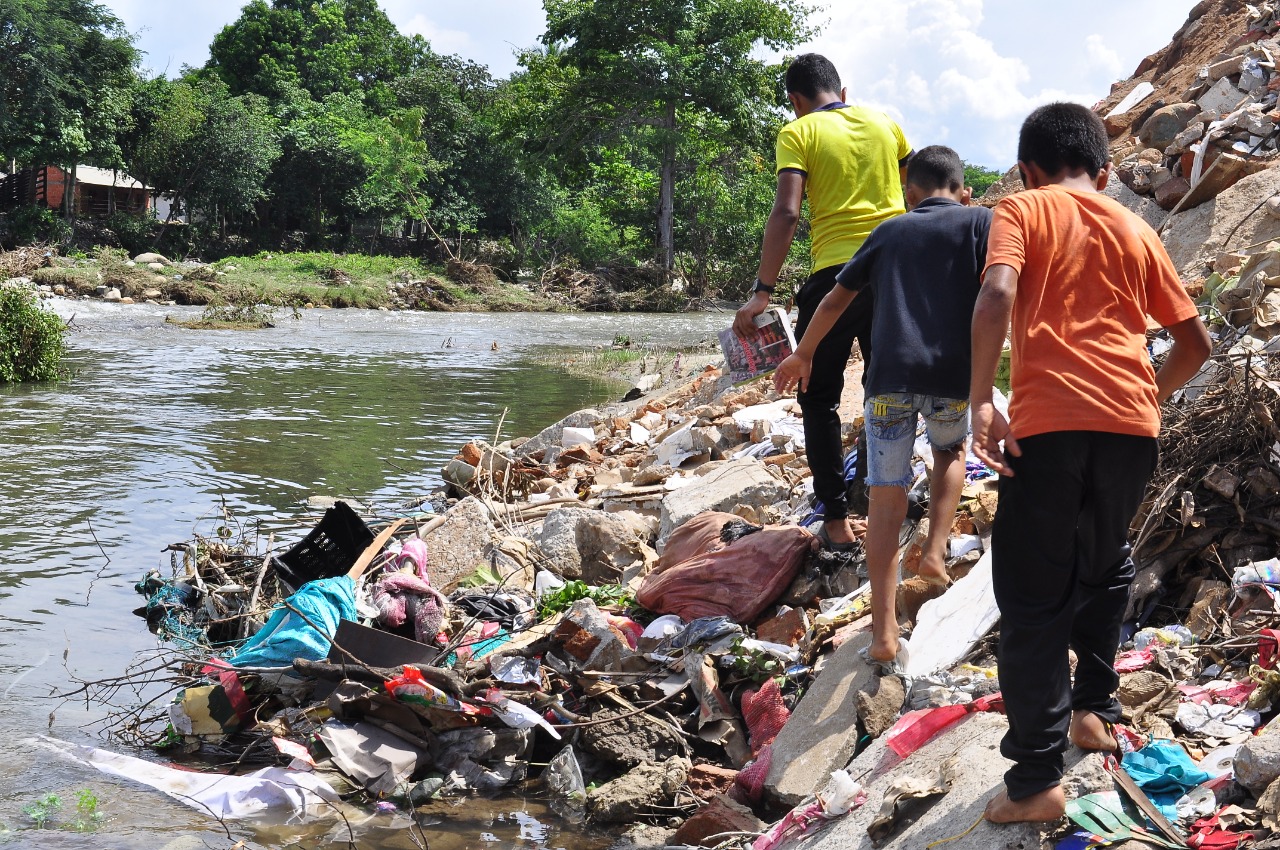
x,y
628,611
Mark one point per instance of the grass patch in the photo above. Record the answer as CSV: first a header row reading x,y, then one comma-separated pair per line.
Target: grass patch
x,y
237,310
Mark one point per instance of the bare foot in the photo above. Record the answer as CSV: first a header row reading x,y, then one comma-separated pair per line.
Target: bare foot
x,y
1048,805
884,648
839,530
1089,733
933,570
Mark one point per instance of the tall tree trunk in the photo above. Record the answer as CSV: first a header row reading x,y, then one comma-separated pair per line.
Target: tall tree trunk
x,y
666,192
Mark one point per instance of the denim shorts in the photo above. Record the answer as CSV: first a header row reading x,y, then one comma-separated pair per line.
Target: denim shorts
x,y
891,432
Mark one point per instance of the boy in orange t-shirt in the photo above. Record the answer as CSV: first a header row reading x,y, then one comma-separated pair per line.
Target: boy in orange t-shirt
x,y
1078,274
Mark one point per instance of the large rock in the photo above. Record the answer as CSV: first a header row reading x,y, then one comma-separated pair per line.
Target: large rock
x,y
1257,762
822,733
594,546
630,740
460,545
975,741
739,483
145,259
1196,237
637,792
1164,125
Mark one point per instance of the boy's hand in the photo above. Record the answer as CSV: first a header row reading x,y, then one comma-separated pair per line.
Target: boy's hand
x,y
989,428
792,372
743,325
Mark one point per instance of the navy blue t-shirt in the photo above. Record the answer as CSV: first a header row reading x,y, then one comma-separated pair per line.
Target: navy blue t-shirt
x,y
925,269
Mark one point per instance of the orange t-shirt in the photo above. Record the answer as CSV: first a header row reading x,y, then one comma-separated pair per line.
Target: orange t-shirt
x,y
1089,273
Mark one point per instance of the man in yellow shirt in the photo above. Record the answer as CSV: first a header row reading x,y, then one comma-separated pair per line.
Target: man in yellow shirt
x,y
850,160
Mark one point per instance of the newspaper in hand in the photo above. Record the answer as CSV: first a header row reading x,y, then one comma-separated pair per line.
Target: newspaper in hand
x,y
748,359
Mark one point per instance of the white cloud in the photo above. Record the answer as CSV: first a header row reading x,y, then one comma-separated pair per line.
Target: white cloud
x,y
443,39
969,71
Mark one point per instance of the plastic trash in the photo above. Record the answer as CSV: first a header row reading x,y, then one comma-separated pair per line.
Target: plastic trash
x,y
1259,572
514,714
1165,772
840,795
663,627
564,777
221,795
915,728
962,544
412,688
545,582
1175,635
515,670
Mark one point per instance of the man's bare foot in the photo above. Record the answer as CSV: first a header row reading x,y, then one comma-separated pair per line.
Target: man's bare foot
x,y
1089,733
933,570
1048,805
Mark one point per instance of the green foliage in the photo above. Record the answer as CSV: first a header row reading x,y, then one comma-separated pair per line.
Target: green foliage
x,y
980,178
64,66
29,225
197,142
43,810
32,339
87,815
561,598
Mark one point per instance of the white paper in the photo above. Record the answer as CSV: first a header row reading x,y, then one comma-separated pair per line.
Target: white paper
x,y
1140,93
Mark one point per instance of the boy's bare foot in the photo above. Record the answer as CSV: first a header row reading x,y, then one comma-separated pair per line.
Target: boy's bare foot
x,y
839,531
884,648
934,572
1048,805
1089,732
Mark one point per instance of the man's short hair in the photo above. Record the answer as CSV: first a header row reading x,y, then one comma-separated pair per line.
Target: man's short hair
x,y
935,168
1061,136
812,74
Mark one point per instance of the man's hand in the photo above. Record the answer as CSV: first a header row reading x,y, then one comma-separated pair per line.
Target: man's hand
x,y
792,372
743,325
989,428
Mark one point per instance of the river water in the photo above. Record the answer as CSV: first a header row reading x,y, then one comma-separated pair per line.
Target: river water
x,y
159,428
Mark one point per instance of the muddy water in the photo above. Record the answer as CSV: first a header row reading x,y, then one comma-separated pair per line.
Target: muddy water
x,y
161,427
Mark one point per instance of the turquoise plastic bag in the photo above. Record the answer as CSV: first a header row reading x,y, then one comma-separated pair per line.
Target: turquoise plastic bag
x,y
286,636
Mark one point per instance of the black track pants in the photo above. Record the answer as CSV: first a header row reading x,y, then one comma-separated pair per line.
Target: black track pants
x,y
1061,571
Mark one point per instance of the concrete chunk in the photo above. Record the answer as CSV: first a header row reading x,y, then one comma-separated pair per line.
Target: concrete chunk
x,y
823,730
975,742
739,483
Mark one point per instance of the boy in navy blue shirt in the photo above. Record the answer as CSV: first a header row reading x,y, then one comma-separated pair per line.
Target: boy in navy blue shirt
x,y
925,269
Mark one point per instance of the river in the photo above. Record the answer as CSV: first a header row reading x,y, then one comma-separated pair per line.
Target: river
x,y
159,427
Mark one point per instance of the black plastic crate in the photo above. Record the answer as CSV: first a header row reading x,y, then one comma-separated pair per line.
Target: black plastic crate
x,y
330,549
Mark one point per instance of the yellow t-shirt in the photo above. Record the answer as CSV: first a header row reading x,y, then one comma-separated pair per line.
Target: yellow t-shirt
x,y
851,156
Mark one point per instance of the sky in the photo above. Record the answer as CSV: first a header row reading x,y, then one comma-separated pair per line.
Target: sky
x,y
957,72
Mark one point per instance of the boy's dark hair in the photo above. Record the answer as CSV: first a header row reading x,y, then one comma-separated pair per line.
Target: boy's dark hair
x,y
1061,136
811,74
935,168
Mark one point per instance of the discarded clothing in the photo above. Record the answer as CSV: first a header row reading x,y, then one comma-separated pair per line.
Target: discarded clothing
x,y
287,634
1165,772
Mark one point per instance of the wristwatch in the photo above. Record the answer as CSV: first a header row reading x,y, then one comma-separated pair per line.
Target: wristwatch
x,y
761,286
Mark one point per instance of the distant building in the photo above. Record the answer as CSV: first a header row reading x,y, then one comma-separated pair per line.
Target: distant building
x,y
96,192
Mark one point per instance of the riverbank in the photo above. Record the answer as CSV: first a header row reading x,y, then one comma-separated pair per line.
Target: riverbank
x,y
301,280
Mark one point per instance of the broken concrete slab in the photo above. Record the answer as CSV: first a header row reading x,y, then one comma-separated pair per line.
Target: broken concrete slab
x,y
976,743
1144,208
594,546
459,545
1196,237
733,485
822,733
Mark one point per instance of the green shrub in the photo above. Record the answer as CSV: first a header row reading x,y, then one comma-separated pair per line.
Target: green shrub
x,y
30,224
32,339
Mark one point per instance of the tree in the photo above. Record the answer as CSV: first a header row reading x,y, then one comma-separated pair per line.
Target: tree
x,y
657,65
980,178
197,142
64,66
321,46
